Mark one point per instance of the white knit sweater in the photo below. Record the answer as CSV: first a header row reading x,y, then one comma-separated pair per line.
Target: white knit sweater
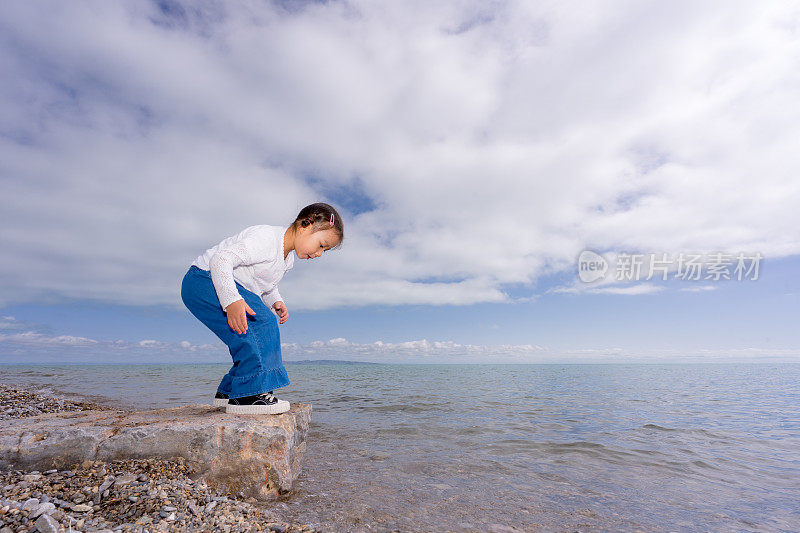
x,y
254,258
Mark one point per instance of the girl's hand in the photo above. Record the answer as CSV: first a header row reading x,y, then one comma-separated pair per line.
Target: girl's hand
x,y
237,315
280,308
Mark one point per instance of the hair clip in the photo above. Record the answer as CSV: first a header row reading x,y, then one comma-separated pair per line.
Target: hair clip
x,y
331,219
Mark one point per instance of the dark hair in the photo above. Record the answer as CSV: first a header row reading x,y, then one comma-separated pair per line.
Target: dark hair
x,y
319,216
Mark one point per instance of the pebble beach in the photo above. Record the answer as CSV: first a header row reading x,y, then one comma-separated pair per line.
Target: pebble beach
x,y
133,495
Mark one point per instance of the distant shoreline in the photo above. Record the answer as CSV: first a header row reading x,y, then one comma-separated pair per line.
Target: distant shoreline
x,y
343,362
330,362
151,363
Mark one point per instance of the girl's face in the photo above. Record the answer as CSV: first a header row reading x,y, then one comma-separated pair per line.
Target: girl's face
x,y
308,245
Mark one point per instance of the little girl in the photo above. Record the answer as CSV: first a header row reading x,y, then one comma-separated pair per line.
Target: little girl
x,y
239,277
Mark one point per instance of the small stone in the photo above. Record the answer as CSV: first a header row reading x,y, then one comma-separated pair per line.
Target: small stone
x,y
501,528
210,507
220,498
46,524
168,508
133,499
124,479
106,484
43,508
50,472
44,498
31,478
30,505
278,528
82,508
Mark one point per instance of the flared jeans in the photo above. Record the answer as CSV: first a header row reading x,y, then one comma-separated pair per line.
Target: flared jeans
x,y
257,363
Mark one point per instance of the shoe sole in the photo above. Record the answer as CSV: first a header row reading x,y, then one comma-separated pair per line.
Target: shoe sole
x,y
281,407
220,402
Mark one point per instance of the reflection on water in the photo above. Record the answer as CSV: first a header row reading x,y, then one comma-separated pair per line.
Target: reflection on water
x,y
539,447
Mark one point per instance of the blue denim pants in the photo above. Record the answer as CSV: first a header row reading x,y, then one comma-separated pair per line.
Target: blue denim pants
x,y
257,363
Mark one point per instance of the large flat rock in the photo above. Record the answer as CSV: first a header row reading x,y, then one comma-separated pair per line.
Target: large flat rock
x,y
258,456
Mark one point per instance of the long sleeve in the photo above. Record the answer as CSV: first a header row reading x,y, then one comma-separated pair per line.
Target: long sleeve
x,y
222,265
250,249
271,297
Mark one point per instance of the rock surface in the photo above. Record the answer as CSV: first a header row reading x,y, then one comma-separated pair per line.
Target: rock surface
x,y
161,497
251,456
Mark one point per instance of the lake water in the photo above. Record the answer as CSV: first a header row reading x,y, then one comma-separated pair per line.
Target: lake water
x,y
695,447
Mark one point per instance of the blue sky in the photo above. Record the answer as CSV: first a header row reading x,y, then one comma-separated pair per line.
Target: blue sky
x,y
473,150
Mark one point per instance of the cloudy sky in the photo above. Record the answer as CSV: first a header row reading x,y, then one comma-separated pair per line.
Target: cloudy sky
x,y
474,150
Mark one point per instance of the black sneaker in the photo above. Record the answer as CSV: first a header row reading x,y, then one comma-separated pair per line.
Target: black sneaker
x,y
220,400
258,404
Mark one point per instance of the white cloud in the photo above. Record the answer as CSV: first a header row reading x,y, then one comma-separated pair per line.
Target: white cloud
x,y
150,343
641,288
496,142
700,288
629,290
31,347
33,339
631,273
10,323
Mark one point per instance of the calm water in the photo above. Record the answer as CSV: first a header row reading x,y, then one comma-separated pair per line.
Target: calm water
x,y
538,447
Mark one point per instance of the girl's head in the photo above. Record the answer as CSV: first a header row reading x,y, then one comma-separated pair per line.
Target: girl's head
x,y
314,233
